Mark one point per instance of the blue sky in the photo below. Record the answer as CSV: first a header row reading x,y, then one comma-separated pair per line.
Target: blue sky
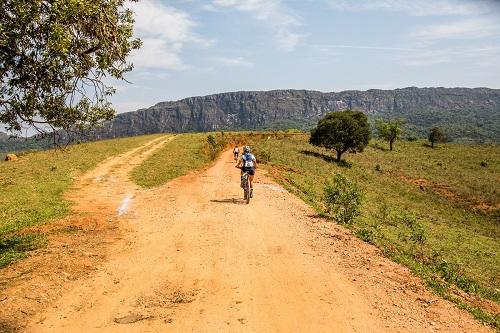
x,y
199,47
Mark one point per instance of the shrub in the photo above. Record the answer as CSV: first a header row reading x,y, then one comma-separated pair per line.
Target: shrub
x,y
411,138
451,272
264,156
483,164
378,168
383,211
342,199
412,231
213,147
366,234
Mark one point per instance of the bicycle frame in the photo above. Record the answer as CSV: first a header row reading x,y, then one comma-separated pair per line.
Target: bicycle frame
x,y
246,187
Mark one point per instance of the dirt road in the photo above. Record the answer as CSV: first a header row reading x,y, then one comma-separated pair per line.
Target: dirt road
x,y
195,258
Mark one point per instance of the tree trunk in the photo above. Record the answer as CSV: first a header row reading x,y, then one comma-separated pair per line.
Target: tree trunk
x,y
339,154
432,143
390,144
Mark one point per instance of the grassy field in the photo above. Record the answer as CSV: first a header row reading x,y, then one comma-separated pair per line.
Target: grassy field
x,y
184,153
451,191
32,189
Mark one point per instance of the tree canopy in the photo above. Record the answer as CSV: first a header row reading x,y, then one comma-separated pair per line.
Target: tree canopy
x,y
54,58
389,130
342,131
436,135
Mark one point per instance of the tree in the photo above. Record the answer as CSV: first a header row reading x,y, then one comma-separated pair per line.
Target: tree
x,y
436,135
389,130
54,57
342,131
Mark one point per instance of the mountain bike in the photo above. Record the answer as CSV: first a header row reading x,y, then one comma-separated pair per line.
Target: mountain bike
x,y
247,191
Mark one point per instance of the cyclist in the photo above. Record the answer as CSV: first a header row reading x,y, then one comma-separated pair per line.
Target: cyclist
x,y
236,152
248,163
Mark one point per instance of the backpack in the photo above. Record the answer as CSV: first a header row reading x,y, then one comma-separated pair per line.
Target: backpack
x,y
247,159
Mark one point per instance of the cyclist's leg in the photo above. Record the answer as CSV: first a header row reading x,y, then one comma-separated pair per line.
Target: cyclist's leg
x,y
252,174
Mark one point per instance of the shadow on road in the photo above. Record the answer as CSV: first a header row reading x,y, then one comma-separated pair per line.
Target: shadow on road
x,y
230,200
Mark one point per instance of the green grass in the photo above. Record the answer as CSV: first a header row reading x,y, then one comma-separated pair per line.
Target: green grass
x,y
32,189
454,183
186,152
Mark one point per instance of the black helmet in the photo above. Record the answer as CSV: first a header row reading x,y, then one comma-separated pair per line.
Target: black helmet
x,y
247,149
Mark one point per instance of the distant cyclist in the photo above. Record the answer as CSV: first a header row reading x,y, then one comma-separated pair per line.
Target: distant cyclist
x,y
248,163
236,152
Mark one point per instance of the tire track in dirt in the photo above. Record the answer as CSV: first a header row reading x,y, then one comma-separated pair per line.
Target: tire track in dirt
x,y
195,258
77,244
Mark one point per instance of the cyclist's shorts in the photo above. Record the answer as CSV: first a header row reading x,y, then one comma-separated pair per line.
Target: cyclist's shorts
x,y
251,171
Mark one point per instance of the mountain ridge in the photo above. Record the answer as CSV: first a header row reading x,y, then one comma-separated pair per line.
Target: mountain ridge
x,y
466,114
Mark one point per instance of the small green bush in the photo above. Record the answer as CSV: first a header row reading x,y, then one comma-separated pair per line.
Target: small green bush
x,y
342,199
483,163
451,272
411,138
264,156
366,234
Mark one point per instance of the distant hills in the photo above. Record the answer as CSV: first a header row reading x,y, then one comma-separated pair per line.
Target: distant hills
x,y
9,143
465,115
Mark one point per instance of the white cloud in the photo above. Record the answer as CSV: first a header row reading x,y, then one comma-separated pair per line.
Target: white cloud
x,y
239,61
272,12
164,31
472,56
420,7
464,29
127,106
327,47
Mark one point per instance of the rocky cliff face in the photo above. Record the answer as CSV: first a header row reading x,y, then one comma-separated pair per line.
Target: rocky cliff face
x,y
470,114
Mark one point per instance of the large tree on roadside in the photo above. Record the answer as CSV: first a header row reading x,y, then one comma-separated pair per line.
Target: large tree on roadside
x,y
342,131
390,130
54,58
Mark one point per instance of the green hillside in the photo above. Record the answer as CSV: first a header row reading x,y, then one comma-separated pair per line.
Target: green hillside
x,y
451,192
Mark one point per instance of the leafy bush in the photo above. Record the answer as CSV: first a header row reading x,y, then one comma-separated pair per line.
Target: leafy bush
x,y
411,138
366,234
450,272
342,199
412,231
483,163
264,156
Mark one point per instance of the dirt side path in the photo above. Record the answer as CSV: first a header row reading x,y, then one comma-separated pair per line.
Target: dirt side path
x,y
77,245
194,258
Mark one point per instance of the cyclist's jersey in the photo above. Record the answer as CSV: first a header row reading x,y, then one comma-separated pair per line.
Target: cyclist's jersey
x,y
236,150
248,160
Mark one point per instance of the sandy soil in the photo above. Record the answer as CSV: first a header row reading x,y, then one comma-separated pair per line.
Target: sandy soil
x,y
192,257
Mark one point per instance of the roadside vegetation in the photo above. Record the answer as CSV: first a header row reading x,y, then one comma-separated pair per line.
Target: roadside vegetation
x,y
433,210
32,189
186,152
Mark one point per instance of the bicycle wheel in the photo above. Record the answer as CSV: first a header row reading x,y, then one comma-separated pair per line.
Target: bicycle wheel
x,y
247,191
